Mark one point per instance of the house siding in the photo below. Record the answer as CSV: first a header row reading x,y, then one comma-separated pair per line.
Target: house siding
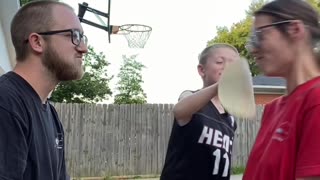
x,y
265,98
7,53
4,56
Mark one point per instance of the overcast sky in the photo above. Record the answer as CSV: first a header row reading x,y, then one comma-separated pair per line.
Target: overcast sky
x,y
181,29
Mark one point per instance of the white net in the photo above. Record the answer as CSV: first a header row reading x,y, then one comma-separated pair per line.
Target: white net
x,y
136,34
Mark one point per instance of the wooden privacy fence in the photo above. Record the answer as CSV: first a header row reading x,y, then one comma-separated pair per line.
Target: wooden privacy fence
x,y
104,140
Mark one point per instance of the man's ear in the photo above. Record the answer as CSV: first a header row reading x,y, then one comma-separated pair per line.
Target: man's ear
x,y
36,42
201,70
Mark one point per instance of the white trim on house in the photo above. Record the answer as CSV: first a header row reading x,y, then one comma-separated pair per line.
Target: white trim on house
x,y
265,89
7,54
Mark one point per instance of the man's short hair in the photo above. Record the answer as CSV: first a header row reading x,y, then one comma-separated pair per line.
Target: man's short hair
x,y
35,16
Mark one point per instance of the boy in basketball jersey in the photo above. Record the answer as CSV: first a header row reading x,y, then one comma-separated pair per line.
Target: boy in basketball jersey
x,y
200,145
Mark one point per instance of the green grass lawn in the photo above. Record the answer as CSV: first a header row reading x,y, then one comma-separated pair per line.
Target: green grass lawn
x,y
237,170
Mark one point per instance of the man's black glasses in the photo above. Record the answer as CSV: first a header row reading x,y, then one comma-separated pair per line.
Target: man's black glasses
x,y
76,35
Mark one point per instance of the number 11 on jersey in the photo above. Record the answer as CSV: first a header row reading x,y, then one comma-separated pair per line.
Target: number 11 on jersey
x,y
217,154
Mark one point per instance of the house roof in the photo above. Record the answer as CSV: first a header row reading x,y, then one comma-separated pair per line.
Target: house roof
x,y
268,85
262,80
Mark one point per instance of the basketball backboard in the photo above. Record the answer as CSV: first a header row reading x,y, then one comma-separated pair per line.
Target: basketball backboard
x,y
136,34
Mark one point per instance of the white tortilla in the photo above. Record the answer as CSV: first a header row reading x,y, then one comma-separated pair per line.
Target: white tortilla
x,y
235,90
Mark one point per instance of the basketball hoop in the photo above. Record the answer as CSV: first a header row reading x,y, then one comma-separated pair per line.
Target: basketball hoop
x,y
136,34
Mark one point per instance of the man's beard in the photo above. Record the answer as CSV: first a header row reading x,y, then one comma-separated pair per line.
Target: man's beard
x,y
61,68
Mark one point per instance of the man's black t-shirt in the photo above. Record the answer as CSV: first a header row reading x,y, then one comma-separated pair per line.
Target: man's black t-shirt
x,y
202,148
31,135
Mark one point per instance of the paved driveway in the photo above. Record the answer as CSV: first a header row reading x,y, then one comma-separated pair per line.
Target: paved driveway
x,y
236,177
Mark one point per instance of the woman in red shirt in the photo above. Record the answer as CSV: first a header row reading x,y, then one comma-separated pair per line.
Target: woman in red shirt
x,y
286,42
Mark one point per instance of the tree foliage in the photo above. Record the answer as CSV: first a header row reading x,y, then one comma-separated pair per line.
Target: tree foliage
x,y
23,2
315,4
238,34
130,80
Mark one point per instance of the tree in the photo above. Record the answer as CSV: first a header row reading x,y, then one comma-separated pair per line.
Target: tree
x,y
315,4
238,34
23,2
92,88
130,80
